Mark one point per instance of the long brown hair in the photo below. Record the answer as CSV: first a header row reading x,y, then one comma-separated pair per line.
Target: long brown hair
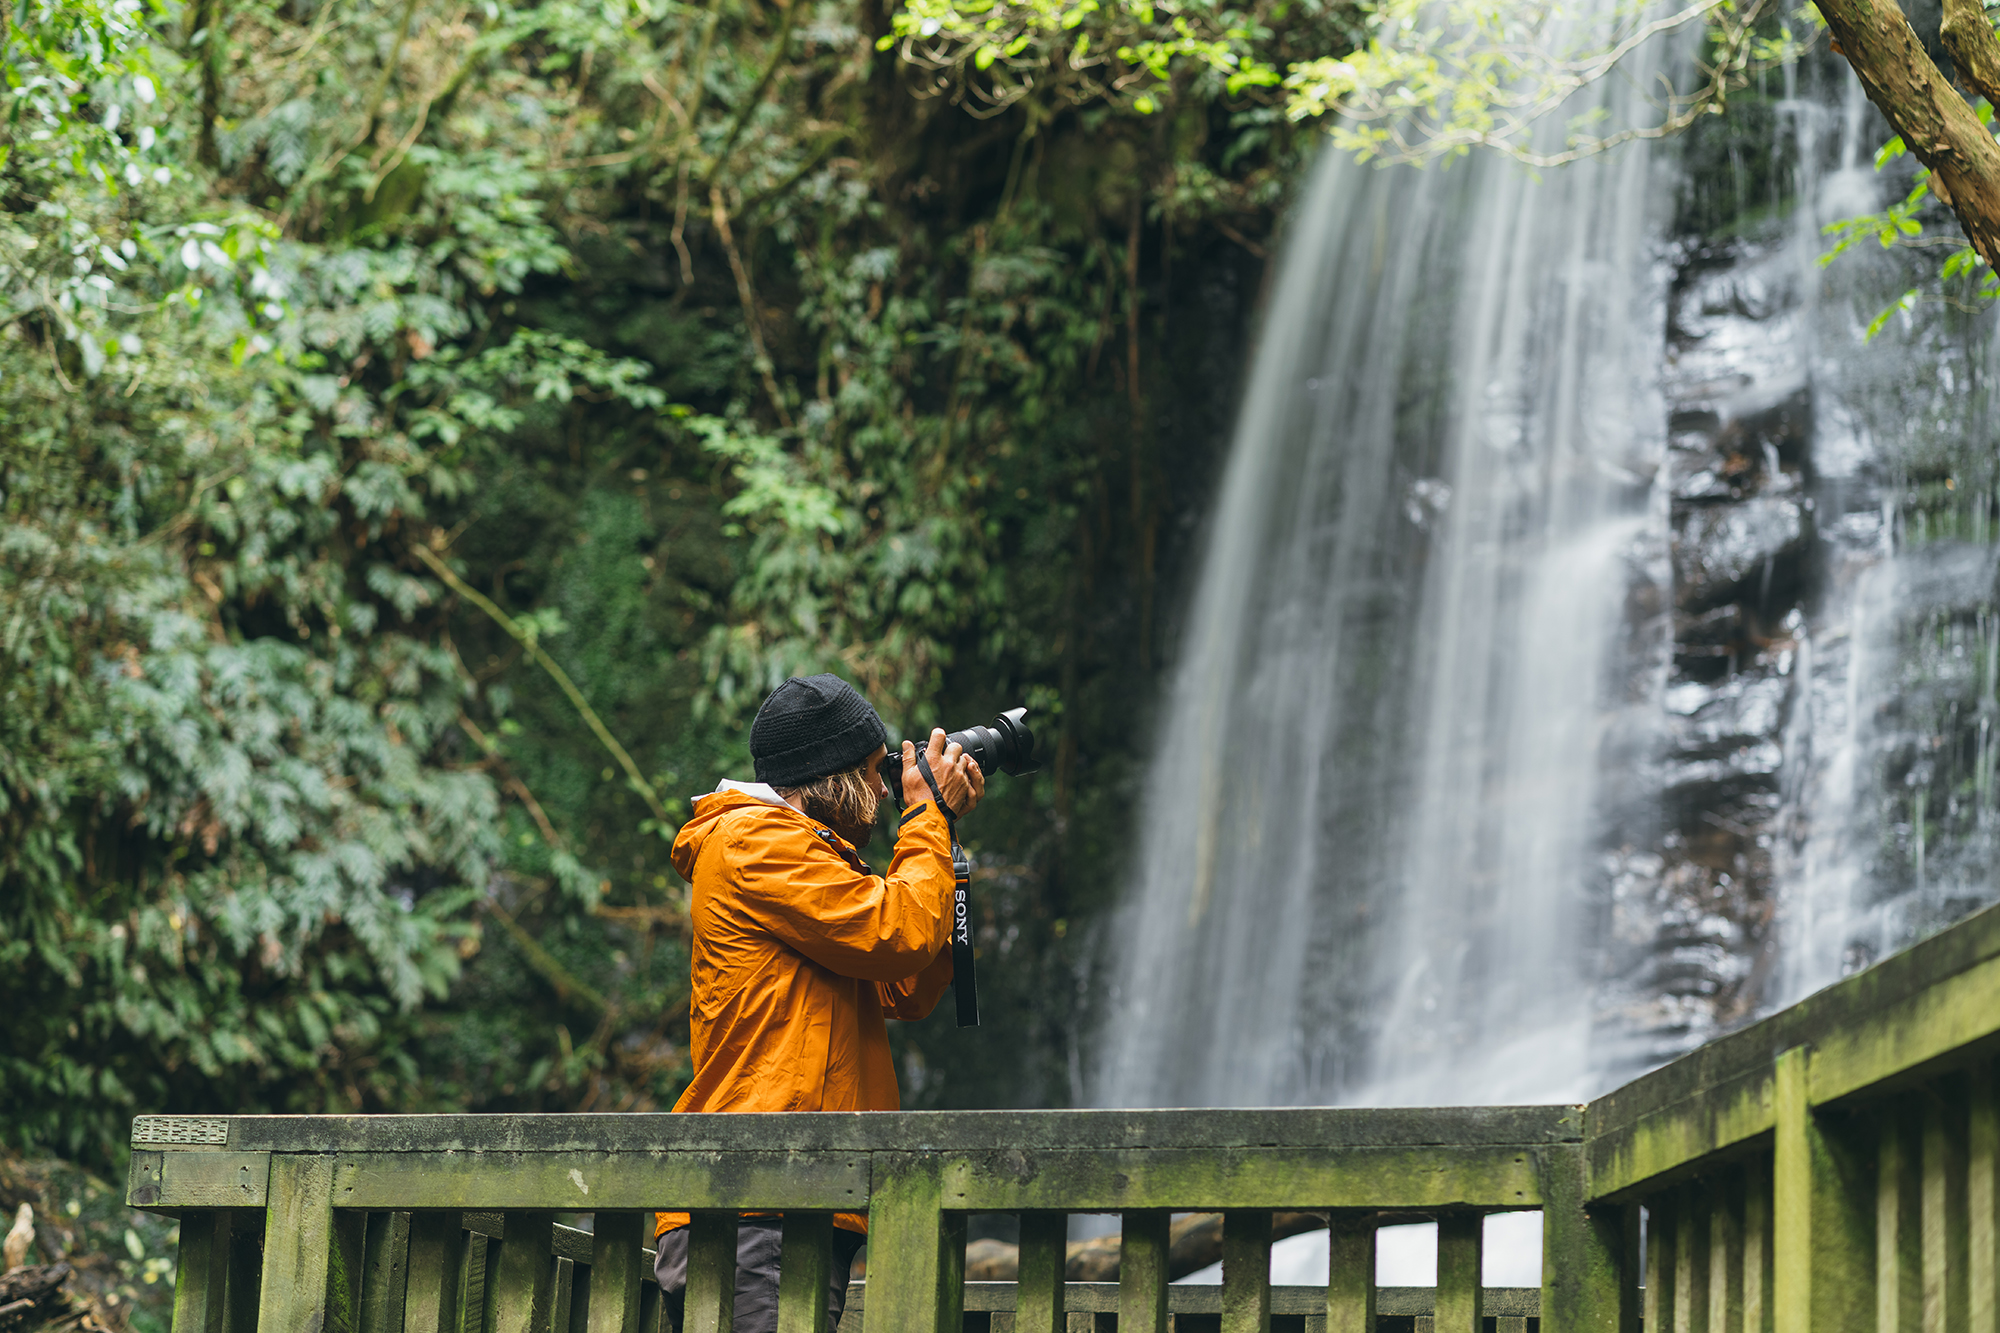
x,y
845,802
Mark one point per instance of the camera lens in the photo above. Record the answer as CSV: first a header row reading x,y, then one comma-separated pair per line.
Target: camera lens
x,y
1008,746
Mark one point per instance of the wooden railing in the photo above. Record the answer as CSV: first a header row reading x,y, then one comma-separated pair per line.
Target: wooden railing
x,y
1834,1167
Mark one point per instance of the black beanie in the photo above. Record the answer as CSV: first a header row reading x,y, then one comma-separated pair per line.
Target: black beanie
x,y
812,726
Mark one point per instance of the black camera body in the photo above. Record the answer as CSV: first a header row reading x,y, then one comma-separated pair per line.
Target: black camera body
x,y
1008,746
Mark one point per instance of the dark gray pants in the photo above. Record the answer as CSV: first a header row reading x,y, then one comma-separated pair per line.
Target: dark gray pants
x,y
759,1242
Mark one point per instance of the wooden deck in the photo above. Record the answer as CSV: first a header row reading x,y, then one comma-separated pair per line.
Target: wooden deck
x,y
1834,1167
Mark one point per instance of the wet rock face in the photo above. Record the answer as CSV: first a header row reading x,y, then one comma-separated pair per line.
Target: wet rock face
x,y
1828,763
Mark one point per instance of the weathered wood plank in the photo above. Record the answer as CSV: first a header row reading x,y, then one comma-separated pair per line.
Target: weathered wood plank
x,y
1246,1271
910,1239
1661,1217
1142,1271
520,1283
1899,1293
1982,1200
616,1264
906,1131
1350,1276
1461,1243
298,1247
201,1272
1896,1036
1583,1273
436,1263
1945,1222
561,1293
1039,1305
1725,1256
198,1179
711,1287
1691,1253
1823,1210
804,1264
246,1270
1006,1181
385,1272
585,1181
1757,1245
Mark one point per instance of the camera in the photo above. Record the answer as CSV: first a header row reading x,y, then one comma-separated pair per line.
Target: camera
x,y
1008,746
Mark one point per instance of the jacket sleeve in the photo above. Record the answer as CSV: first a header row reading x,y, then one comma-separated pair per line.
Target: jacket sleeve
x,y
854,924
915,997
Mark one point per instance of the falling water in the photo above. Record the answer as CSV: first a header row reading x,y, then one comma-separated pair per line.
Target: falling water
x,y
1425,654
1598,642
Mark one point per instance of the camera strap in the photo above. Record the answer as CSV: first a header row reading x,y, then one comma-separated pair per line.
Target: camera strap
x,y
964,986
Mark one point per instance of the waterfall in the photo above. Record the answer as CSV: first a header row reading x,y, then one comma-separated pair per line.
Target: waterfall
x,y
1424,658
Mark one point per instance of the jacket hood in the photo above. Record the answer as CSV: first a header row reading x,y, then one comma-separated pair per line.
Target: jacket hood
x,y
710,809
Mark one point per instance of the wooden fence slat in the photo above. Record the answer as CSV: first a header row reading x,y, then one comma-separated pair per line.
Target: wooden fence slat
x,y
1350,1274
520,1281
1757,1244
617,1262
1460,1246
1899,1291
246,1270
1691,1256
1658,1305
1246,1271
298,1246
436,1264
710,1303
201,1271
385,1272
1982,1200
916,1250
1143,1272
1038,1298
560,1294
1823,1262
1944,1208
804,1264
479,1248
1725,1257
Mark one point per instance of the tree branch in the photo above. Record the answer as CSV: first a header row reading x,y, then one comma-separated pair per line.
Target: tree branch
x,y
1935,122
556,673
1969,37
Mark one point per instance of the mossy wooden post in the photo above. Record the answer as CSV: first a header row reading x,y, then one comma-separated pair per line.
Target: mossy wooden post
x,y
1350,1274
1461,1238
1658,1305
1823,1206
1899,1257
201,1271
1143,1272
300,1253
1757,1244
916,1263
385,1272
1246,1271
1943,1206
1038,1290
437,1253
617,1257
804,1264
1725,1256
710,1303
1691,1217
1586,1287
1982,1198
520,1280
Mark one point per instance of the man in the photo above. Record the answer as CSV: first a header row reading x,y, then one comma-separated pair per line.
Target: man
x,y
800,950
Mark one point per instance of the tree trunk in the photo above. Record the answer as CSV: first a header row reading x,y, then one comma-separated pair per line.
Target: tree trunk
x,y
1935,122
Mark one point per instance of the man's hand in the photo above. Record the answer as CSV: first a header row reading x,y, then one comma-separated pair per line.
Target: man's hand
x,y
958,776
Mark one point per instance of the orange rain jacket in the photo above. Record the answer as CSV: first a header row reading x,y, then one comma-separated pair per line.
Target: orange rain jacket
x,y
800,950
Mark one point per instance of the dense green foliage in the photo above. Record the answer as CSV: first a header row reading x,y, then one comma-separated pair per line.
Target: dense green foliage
x,y
707,344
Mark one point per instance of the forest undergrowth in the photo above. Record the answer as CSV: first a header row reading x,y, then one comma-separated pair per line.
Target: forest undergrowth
x,y
367,365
